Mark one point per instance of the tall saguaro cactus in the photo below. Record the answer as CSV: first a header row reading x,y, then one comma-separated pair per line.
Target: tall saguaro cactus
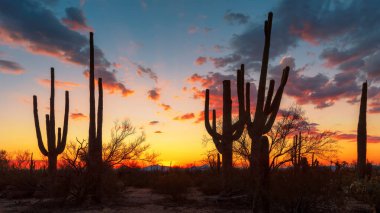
x,y
55,145
95,127
230,131
265,115
362,134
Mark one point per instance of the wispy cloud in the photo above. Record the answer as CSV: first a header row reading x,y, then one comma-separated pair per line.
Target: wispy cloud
x,y
235,18
59,84
186,116
78,116
11,67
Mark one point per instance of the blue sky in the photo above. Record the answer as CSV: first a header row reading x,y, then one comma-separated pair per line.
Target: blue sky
x,y
157,57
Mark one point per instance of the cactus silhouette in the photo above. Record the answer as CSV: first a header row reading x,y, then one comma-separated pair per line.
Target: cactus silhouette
x,y
296,151
32,164
265,115
362,135
230,131
95,129
55,146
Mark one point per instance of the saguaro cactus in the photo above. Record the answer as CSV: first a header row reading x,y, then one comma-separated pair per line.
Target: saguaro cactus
x,y
296,151
230,131
55,147
362,135
95,128
265,115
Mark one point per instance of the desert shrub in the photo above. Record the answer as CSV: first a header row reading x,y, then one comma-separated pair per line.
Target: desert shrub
x,y
135,177
367,191
211,184
305,191
174,184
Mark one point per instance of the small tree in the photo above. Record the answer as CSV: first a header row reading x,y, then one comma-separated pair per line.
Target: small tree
x,y
4,160
290,122
120,152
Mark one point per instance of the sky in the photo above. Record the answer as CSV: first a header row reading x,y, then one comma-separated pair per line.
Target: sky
x,y
156,59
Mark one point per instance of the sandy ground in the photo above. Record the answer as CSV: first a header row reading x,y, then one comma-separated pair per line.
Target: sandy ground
x,y
134,201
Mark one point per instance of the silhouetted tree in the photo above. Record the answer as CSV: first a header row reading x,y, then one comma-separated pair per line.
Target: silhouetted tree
x,y
4,160
362,135
55,145
290,122
120,152
230,131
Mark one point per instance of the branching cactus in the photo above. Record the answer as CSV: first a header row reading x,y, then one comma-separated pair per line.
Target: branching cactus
x,y
264,118
230,131
95,127
55,146
362,135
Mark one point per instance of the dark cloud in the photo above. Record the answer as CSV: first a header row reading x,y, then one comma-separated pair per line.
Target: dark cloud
x,y
158,132
141,71
350,44
154,94
235,18
36,28
318,90
76,20
10,67
154,122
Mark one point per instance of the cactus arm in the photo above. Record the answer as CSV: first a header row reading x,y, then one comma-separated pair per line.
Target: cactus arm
x,y
52,110
59,139
248,110
264,70
239,125
100,114
217,142
38,129
269,97
209,129
48,138
62,143
276,102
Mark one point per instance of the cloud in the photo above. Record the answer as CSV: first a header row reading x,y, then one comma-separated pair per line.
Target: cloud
x,y
76,20
214,82
59,84
200,60
78,116
353,138
158,132
186,116
318,90
154,94
141,71
235,18
11,67
154,123
195,29
20,25
166,107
